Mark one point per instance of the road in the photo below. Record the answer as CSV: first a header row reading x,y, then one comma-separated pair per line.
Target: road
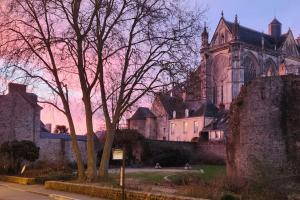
x,y
12,191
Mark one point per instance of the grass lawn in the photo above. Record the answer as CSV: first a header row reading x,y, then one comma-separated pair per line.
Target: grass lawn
x,y
201,172
149,177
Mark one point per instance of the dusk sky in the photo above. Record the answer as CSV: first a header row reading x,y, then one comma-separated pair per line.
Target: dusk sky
x,y
255,14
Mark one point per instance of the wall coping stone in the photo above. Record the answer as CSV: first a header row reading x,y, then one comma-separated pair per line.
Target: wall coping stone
x,y
110,193
19,180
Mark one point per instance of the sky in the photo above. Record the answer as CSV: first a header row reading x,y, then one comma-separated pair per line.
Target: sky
x,y
255,14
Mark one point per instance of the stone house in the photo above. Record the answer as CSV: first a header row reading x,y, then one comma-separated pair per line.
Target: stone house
x,y
172,118
20,120
144,121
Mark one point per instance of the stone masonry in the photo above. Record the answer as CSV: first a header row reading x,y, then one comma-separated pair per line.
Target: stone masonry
x,y
20,120
265,129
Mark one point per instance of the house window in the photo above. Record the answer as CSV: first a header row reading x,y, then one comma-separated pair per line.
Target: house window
x,y
172,128
216,135
196,127
185,127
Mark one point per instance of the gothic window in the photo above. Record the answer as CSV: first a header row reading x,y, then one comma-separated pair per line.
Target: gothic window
x,y
219,76
250,66
222,94
215,94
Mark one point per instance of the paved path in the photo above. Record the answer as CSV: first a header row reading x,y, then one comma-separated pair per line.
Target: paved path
x,y
135,170
12,191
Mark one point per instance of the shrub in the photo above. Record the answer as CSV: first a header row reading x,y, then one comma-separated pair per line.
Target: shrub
x,y
165,155
17,152
129,139
230,196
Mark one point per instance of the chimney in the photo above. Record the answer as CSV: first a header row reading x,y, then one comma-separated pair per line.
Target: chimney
x,y
15,87
186,112
184,96
174,114
275,28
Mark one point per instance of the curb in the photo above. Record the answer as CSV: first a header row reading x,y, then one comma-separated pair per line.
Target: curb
x,y
60,197
18,180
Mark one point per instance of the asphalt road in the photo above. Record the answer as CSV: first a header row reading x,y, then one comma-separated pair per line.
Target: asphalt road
x,y
11,193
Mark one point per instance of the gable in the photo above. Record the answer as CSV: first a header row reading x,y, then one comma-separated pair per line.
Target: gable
x,y
289,46
222,34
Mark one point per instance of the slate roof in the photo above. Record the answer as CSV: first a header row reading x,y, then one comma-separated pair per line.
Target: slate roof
x,y
253,37
221,122
142,113
275,21
171,103
207,109
66,137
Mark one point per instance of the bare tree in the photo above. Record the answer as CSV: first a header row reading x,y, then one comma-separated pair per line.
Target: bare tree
x,y
31,47
136,43
123,46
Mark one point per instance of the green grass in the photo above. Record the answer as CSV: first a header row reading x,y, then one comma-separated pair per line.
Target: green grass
x,y
210,172
149,177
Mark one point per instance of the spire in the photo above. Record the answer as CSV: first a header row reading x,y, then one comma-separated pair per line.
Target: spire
x,y
236,19
262,40
222,14
236,28
204,36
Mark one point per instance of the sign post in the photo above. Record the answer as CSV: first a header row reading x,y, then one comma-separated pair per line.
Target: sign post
x,y
119,154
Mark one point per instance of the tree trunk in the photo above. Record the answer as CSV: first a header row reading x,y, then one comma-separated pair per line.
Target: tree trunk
x,y
75,147
104,165
91,163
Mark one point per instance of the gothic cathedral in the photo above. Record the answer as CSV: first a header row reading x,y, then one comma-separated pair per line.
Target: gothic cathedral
x,y
237,54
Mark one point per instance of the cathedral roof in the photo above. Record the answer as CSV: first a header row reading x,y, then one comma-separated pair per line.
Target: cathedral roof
x,y
275,21
253,37
142,113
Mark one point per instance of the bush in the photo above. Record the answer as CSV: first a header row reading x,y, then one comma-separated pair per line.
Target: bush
x,y
166,156
230,196
16,153
129,139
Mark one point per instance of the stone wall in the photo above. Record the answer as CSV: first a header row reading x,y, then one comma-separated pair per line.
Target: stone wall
x,y
264,133
202,152
59,150
212,152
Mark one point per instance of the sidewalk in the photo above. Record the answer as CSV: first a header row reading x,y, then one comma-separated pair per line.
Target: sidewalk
x,y
40,190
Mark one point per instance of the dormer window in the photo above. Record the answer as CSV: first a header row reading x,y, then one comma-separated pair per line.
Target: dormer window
x,y
186,112
174,114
